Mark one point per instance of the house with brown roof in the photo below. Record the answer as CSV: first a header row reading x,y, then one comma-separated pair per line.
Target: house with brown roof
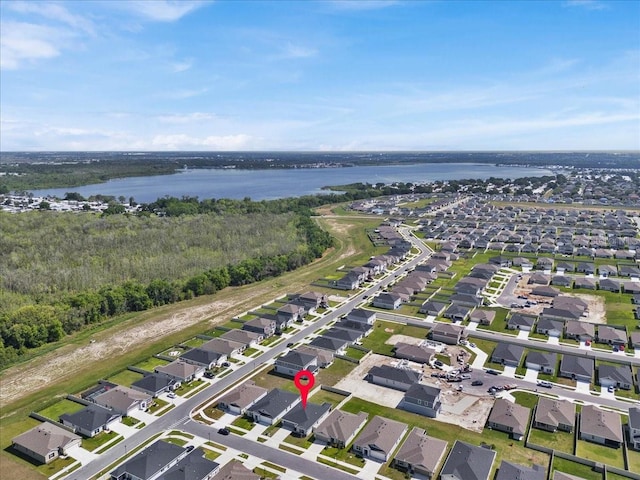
x,y
244,337
235,470
180,371
553,414
262,325
420,454
238,400
339,428
289,313
224,347
482,317
601,426
45,442
579,330
123,400
379,438
313,300
509,417
447,333
414,353
612,336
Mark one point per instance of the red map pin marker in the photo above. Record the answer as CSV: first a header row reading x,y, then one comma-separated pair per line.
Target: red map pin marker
x,y
304,388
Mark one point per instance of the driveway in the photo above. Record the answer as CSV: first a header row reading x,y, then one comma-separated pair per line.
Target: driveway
x,y
369,470
509,371
583,387
531,375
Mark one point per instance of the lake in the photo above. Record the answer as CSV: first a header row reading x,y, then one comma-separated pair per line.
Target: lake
x,y
281,183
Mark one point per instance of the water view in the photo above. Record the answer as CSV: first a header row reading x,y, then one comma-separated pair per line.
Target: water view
x,y
281,183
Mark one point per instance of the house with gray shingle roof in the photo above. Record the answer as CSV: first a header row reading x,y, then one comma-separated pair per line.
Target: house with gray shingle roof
x,y
379,438
544,362
468,462
420,454
242,397
553,414
612,336
509,417
398,378
45,442
422,399
447,333
302,420
155,384
601,426
123,400
482,317
389,301
334,345
415,353
457,312
339,428
194,466
634,427
576,368
578,330
203,358
273,406
262,325
585,282
362,315
245,337
521,321
618,376
293,361
150,462
513,471
507,354
550,326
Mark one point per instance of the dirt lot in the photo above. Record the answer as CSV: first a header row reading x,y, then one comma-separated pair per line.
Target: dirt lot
x,y
597,311
458,408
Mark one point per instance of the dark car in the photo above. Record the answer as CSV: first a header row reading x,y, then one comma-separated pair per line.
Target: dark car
x,y
477,383
493,372
190,448
226,364
223,431
290,344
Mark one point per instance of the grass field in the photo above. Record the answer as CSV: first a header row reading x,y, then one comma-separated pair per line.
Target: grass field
x,y
383,331
63,406
634,460
322,396
600,453
150,363
93,443
573,468
125,378
562,441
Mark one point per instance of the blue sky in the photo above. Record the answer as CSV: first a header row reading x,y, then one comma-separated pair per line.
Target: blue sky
x,y
320,75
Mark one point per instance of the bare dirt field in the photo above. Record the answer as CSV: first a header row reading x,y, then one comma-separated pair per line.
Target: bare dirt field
x,y
458,408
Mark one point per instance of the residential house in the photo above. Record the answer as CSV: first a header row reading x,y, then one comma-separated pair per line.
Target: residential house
x,y
545,291
539,279
398,378
364,328
553,414
244,337
235,470
91,420
148,464
273,406
414,353
362,315
544,362
334,345
123,400
432,307
301,420
180,371
577,330
313,300
585,282
422,399
607,270
501,261
507,354
586,268
447,333
544,263
468,462
390,301
513,471
351,336
509,417
289,313
323,357
262,325
520,321
350,281
612,336
155,384
457,313
635,339
576,368
635,299
238,400
600,426
45,442
562,281
618,376
293,361
634,427
631,287
379,438
420,454
203,358
628,271
194,466
339,428
482,317
549,326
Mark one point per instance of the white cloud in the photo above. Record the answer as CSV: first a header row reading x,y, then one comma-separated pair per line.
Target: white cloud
x,y
178,67
297,51
187,117
53,11
163,10
26,42
587,4
214,142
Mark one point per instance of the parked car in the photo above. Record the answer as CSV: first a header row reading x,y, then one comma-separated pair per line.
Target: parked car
x,y
545,384
438,363
290,344
611,389
477,383
209,375
493,372
226,364
223,431
171,395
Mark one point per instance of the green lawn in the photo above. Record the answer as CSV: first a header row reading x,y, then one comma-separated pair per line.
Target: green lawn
x,y
334,373
210,454
243,422
151,363
333,464
302,442
55,466
634,460
600,453
574,468
322,396
176,441
526,399
125,377
130,421
94,442
382,331
250,351
63,406
185,388
355,353
562,441
158,404
270,379
194,342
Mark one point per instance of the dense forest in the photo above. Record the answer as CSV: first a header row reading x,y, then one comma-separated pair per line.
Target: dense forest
x,y
62,272
23,171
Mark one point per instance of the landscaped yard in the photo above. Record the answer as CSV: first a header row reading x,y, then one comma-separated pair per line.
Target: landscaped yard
x,y
382,331
526,399
250,351
302,442
577,469
355,353
94,442
125,378
185,388
634,460
562,441
194,342
270,379
322,396
151,363
600,453
334,373
243,422
158,404
63,406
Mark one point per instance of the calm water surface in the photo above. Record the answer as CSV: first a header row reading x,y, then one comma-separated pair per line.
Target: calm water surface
x,y
281,183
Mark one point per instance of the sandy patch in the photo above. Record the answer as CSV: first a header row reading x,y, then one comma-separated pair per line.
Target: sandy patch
x,y
404,339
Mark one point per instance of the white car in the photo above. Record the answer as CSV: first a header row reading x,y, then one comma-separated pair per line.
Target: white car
x,y
171,395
